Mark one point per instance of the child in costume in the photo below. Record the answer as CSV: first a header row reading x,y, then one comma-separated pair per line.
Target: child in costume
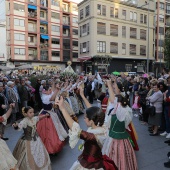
x,y
92,157
7,161
30,151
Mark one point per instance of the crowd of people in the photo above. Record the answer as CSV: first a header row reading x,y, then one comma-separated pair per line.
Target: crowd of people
x,y
111,138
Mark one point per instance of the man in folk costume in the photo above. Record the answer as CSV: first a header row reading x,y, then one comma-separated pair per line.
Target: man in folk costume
x,y
3,108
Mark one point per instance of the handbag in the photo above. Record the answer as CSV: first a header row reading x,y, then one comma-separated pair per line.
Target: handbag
x,y
150,109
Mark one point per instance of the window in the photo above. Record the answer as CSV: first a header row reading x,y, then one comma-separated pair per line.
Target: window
x,y
19,37
124,14
143,34
161,43
75,31
145,19
19,51
161,5
19,22
114,47
19,7
31,39
133,32
101,28
135,17
141,18
143,50
131,15
101,9
168,9
55,2
116,13
84,30
55,53
161,18
128,67
132,49
123,31
75,43
112,12
123,48
55,28
55,41
42,14
81,14
75,8
161,30
84,47
101,46
75,20
55,15
87,10
75,55
113,30
160,54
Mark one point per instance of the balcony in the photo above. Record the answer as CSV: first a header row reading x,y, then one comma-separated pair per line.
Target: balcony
x,y
168,12
44,45
32,57
167,24
32,15
66,10
167,1
32,30
32,44
43,31
44,57
44,4
32,2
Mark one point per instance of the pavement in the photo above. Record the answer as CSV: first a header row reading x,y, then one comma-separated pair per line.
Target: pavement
x,y
151,155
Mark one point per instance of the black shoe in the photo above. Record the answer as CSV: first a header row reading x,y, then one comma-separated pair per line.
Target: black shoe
x,y
5,139
151,131
167,141
152,134
167,164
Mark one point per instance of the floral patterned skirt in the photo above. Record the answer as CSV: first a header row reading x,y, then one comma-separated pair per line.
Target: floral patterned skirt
x,y
31,155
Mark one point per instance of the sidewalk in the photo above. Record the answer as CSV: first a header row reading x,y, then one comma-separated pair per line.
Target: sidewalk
x,y
152,149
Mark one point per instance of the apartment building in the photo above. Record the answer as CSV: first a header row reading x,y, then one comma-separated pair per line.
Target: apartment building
x,y
42,32
116,28
3,54
162,24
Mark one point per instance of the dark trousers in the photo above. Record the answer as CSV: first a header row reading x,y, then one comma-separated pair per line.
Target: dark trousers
x,y
90,94
145,114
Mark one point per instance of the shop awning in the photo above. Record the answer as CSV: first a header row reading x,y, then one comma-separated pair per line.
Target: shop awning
x,y
45,37
44,22
32,7
83,59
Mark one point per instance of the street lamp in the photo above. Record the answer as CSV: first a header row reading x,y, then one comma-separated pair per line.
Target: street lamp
x,y
147,3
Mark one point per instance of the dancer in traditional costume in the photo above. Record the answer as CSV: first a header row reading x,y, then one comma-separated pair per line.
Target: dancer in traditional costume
x,y
50,129
92,157
117,145
29,150
7,161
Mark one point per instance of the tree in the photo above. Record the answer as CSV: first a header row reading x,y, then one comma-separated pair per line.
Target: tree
x,y
167,48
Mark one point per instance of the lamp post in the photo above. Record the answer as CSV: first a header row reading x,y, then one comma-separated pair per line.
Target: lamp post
x,y
147,3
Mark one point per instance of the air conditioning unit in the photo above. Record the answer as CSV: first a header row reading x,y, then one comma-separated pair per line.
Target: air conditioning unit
x,y
84,50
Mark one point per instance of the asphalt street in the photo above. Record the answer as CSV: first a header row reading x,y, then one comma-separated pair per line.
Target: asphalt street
x,y
151,156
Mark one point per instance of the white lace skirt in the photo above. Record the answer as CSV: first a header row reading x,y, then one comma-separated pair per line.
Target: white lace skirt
x,y
77,166
7,161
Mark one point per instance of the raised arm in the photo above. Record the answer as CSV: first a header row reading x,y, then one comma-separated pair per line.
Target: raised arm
x,y
110,88
88,105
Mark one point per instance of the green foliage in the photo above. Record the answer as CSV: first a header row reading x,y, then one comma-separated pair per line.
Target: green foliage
x,y
167,48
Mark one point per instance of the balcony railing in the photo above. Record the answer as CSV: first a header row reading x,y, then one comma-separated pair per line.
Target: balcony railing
x,y
32,29
43,4
66,10
66,46
32,1
44,31
44,45
2,55
32,15
167,24
44,57
32,57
